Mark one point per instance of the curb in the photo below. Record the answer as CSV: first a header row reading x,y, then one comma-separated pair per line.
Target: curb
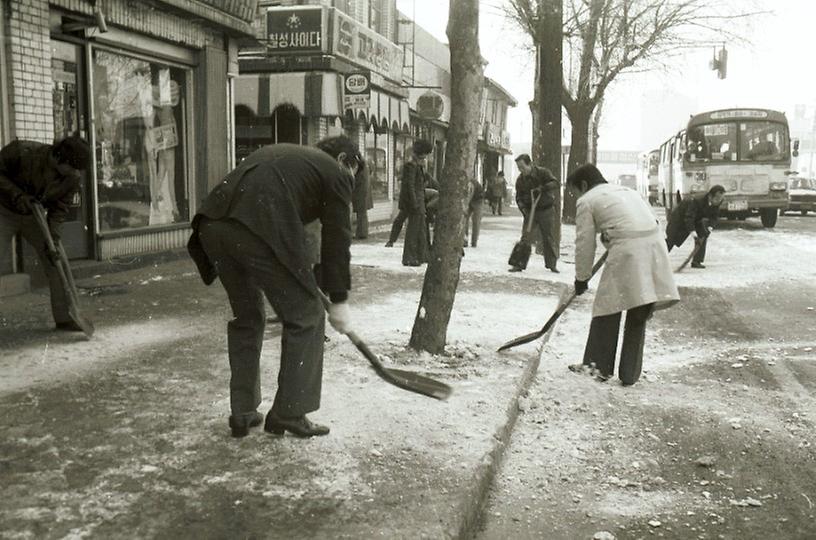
x,y
476,495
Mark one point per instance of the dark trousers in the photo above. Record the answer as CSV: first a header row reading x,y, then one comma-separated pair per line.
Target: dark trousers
x,y
699,257
602,343
543,222
248,270
396,227
361,231
12,223
474,216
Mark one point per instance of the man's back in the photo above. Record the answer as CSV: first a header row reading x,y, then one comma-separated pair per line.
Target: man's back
x,y
617,208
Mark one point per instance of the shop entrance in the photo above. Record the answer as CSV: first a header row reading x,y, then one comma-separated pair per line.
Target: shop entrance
x,y
70,117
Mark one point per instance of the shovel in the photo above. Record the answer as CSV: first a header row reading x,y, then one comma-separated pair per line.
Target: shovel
x,y
697,245
64,271
407,380
554,317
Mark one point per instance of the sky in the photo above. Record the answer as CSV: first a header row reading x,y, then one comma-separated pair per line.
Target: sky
x,y
641,110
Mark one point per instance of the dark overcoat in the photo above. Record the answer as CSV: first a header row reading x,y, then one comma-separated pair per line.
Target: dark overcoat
x,y
687,217
274,192
26,168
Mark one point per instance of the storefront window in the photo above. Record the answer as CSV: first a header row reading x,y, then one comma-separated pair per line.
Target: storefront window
x,y
376,155
402,152
139,110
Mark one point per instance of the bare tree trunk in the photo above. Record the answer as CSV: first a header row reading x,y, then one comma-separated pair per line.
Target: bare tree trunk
x,y
549,77
442,276
594,133
579,149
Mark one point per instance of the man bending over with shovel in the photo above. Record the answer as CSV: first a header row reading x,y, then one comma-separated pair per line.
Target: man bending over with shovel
x,y
695,215
250,233
31,173
636,279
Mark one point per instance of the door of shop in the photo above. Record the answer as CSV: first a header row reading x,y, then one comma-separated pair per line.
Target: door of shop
x,y
68,85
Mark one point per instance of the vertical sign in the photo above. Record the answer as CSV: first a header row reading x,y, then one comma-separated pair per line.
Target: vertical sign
x,y
357,90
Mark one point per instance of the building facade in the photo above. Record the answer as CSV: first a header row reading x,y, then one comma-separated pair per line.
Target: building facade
x,y
147,84
494,139
320,68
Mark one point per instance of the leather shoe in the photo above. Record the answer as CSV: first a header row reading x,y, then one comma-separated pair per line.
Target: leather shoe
x,y
389,244
514,269
240,425
69,326
298,425
697,265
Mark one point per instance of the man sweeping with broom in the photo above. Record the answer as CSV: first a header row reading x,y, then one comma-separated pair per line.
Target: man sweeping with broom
x,y
637,277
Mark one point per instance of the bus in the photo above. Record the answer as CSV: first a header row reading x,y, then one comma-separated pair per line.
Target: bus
x,y
747,151
647,179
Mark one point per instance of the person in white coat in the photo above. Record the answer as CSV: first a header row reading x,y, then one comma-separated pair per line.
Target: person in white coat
x,y
637,277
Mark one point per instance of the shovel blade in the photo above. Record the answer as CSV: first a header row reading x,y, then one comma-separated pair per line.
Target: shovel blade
x,y
414,382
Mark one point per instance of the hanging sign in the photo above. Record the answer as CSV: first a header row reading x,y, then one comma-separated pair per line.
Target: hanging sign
x,y
357,90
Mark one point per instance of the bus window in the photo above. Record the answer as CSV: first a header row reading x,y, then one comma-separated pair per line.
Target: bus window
x,y
763,141
712,142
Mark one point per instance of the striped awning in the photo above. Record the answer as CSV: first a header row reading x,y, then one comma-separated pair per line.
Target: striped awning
x,y
384,112
313,94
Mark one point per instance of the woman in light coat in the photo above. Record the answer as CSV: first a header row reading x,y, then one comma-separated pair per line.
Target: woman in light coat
x,y
637,277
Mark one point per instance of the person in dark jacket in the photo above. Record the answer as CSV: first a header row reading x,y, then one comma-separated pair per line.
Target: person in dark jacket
x,y
431,189
414,182
534,177
362,200
32,172
695,215
497,190
474,212
250,233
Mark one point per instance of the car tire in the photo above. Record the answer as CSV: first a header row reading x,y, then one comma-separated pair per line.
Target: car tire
x,y
768,217
804,212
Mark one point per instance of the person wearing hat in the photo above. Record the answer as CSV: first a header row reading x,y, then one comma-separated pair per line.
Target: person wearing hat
x,y
49,174
637,277
695,214
414,186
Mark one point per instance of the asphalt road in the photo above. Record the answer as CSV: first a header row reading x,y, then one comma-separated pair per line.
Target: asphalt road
x,y
716,441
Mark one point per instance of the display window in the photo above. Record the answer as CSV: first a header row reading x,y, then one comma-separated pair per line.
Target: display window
x,y
140,126
376,155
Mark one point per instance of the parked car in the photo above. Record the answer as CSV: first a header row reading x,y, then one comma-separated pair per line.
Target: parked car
x,y
802,192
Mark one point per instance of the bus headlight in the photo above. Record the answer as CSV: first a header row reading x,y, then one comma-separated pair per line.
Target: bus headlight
x,y
779,186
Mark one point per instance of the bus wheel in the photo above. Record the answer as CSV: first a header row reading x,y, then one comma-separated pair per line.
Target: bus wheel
x,y
768,217
804,212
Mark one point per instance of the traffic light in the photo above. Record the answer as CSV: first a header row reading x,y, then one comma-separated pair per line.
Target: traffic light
x,y
722,63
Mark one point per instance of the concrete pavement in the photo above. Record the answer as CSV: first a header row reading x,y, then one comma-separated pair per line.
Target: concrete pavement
x,y
125,435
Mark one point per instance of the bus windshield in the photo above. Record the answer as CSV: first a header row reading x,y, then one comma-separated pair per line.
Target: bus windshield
x,y
738,141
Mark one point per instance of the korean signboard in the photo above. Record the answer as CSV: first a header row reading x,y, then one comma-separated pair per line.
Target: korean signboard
x,y
296,30
357,90
365,47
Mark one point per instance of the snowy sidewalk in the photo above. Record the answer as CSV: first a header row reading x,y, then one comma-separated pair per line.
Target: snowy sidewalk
x,y
125,435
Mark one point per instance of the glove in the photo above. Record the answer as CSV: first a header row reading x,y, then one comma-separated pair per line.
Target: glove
x,y
52,256
340,317
581,287
24,203
54,229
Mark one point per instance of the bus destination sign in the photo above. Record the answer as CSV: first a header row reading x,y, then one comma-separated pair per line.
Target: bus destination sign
x,y
742,113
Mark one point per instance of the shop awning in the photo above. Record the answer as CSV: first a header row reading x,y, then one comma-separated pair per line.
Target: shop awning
x,y
384,112
313,94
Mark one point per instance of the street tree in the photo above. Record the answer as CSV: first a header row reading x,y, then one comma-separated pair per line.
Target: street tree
x,y
605,38
442,275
